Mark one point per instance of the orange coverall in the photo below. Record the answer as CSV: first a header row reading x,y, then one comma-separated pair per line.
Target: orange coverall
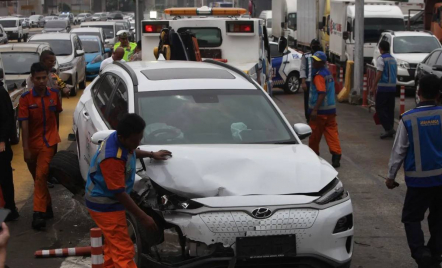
x,y
41,114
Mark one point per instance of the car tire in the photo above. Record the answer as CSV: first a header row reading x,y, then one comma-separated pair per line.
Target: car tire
x,y
65,167
74,89
83,83
135,230
292,84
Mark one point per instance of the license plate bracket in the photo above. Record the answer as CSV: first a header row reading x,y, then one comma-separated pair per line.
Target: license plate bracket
x,y
275,246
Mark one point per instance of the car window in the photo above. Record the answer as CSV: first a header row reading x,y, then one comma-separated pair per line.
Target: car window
x,y
413,44
8,23
211,117
103,93
19,63
60,47
432,59
207,37
439,60
118,106
274,52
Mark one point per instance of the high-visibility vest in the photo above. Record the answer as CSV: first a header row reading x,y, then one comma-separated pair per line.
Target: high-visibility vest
x,y
423,162
389,74
127,51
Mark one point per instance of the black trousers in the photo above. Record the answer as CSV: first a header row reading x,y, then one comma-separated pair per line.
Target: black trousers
x,y
6,181
306,98
417,202
385,102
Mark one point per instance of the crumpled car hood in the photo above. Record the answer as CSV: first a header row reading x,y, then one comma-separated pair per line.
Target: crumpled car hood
x,y
237,170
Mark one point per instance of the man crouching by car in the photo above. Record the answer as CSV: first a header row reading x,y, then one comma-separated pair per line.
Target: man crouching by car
x,y
109,182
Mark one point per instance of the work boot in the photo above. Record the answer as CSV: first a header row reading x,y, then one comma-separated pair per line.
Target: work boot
x,y
336,160
388,134
424,259
38,220
49,214
435,263
13,215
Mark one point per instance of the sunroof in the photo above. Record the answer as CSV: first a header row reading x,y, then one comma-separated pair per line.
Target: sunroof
x,y
188,73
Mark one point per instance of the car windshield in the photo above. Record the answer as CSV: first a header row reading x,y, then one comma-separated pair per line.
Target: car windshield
x,y
97,14
375,26
211,117
207,37
55,24
60,47
81,15
292,21
86,33
63,16
19,63
414,44
108,30
34,17
8,23
90,45
269,23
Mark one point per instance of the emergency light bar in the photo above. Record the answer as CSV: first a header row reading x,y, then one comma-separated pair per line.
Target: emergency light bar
x,y
205,11
153,27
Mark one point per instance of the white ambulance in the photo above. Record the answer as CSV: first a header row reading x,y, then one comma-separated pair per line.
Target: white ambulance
x,y
222,35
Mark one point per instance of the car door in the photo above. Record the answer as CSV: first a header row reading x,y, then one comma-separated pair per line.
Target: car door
x,y
277,59
81,60
95,113
427,68
437,68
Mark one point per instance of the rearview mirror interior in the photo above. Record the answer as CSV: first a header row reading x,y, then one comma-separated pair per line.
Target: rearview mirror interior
x,y
100,136
302,130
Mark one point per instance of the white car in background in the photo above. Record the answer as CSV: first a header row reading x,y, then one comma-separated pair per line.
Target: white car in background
x,y
13,28
409,48
286,68
240,186
70,57
110,29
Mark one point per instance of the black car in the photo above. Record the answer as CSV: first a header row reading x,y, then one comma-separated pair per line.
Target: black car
x,y
115,16
432,64
61,26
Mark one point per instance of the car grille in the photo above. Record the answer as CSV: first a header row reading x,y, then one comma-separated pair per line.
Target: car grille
x,y
229,225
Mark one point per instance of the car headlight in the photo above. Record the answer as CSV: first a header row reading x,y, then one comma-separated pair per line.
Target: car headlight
x,y
98,58
66,66
404,64
332,192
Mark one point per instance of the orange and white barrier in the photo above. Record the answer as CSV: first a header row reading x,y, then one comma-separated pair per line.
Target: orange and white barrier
x,y
365,92
402,100
97,259
341,77
63,252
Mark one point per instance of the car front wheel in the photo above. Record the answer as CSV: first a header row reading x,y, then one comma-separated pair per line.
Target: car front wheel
x,y
292,83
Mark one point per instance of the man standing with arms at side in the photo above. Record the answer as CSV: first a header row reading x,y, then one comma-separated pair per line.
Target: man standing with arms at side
x,y
306,73
418,145
110,180
38,113
322,109
7,130
385,82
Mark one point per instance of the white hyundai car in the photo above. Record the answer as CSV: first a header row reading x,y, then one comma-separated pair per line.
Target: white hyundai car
x,y
240,188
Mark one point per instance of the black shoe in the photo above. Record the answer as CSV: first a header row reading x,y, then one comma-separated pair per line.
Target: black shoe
x,y
12,216
336,160
388,134
425,258
49,214
435,263
38,221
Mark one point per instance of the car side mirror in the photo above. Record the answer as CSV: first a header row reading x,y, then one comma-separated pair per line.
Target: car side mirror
x,y
80,53
302,130
282,44
345,35
100,136
437,67
132,28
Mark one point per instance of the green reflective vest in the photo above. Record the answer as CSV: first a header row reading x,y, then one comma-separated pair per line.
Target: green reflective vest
x,y
127,52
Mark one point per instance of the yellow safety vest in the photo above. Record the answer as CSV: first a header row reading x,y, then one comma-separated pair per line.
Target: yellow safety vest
x,y
127,52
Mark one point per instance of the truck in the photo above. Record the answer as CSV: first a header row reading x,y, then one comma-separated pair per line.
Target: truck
x,y
292,13
309,22
379,16
279,17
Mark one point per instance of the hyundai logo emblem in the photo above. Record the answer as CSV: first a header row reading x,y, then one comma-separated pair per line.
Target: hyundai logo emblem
x,y
261,213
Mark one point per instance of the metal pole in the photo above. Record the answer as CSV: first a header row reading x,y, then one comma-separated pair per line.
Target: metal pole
x,y
137,21
356,91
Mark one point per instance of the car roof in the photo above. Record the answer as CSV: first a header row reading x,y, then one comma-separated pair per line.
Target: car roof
x,y
86,29
52,36
184,75
410,33
98,23
23,47
10,18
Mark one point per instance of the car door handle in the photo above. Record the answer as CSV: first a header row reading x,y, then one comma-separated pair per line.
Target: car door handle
x,y
286,62
86,115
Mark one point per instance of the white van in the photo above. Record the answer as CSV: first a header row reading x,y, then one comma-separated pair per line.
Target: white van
x,y
292,23
13,28
378,17
266,15
110,29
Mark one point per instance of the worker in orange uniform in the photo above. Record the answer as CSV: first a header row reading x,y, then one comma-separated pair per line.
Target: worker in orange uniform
x,y
110,180
39,109
322,109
